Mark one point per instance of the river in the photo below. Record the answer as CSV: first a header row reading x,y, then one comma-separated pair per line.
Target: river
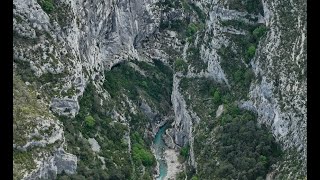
x,y
160,146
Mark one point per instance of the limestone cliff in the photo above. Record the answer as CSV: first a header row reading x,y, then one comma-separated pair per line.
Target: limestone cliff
x,y
61,47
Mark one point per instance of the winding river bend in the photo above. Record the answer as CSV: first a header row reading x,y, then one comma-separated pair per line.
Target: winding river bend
x,y
159,152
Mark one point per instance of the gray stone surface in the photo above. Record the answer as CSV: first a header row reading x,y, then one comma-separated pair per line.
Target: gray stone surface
x,y
98,35
51,166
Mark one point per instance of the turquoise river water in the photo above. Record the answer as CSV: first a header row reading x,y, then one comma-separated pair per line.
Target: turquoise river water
x,y
159,150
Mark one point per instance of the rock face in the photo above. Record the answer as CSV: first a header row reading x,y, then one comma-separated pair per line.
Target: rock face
x,y
60,161
183,122
59,52
70,45
280,97
78,41
39,140
94,145
65,106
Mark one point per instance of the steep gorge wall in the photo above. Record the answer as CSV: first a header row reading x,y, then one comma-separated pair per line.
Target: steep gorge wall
x,y
278,94
57,52
280,97
76,42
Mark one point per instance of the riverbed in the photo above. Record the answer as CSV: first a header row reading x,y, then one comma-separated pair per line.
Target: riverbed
x,y
160,147
167,158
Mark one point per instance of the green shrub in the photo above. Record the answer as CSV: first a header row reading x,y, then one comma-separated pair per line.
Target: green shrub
x,y
185,151
89,120
259,32
47,5
192,29
238,75
216,97
140,154
180,65
251,51
194,178
144,84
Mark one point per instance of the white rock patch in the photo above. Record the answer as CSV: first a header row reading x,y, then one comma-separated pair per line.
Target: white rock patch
x,y
94,145
219,111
